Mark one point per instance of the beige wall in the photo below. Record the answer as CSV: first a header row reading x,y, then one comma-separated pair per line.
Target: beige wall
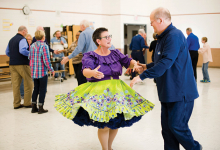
x,y
215,56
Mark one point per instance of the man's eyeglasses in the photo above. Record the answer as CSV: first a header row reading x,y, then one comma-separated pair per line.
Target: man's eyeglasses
x,y
107,37
151,22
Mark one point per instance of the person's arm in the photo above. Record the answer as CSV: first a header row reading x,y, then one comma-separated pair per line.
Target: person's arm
x,y
46,58
7,51
150,65
133,63
80,46
65,45
72,47
169,55
23,46
88,73
188,42
203,50
51,50
143,43
29,55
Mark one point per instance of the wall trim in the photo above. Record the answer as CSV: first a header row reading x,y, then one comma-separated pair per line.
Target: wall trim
x,y
108,14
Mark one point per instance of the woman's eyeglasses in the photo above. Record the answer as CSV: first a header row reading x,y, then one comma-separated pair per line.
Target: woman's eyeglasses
x,y
107,37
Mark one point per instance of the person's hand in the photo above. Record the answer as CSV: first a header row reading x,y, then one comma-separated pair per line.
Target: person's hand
x,y
61,42
97,74
134,81
56,52
53,73
62,51
65,60
140,68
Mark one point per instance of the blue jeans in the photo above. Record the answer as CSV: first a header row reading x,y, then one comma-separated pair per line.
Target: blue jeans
x,y
57,65
205,71
22,88
40,87
175,129
138,56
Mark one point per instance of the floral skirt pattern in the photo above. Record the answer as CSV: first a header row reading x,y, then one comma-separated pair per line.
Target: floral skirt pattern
x,y
108,103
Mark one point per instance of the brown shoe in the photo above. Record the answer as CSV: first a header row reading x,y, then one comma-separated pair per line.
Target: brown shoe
x,y
19,106
34,108
41,110
29,106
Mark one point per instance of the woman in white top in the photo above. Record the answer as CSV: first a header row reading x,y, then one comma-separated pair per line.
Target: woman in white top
x,y
207,57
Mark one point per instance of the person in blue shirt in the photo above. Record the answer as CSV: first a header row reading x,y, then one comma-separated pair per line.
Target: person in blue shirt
x,y
176,84
85,44
193,47
58,43
18,51
137,45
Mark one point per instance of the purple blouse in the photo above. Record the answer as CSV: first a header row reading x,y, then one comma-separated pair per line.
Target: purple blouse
x,y
111,65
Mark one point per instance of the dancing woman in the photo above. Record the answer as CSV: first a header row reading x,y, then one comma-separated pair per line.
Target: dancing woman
x,y
105,102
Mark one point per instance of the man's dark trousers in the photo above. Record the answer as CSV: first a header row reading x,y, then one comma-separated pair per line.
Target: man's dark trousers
x,y
194,57
175,129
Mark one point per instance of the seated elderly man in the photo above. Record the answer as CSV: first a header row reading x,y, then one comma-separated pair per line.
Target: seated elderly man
x,y
59,43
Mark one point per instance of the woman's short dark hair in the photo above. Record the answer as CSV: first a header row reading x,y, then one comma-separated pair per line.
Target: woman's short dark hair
x,y
97,34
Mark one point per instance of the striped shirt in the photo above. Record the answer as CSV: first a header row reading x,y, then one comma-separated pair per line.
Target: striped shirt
x,y
39,59
55,43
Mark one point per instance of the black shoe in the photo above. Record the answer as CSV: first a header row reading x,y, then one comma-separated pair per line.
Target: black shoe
x,y
19,106
64,78
42,110
29,106
34,108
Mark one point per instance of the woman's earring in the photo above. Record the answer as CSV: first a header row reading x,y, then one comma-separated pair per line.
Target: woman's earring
x,y
99,45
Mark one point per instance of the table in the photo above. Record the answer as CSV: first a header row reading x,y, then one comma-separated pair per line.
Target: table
x,y
4,65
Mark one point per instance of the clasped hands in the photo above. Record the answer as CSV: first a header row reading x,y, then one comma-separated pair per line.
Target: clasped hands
x,y
138,67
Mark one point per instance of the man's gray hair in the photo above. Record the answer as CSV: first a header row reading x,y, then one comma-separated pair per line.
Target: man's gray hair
x,y
189,29
141,31
162,13
21,28
40,28
85,23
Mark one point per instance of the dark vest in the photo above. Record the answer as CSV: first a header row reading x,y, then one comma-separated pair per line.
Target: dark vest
x,y
16,58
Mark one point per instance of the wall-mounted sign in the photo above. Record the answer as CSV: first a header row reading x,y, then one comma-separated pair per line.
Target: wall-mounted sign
x,y
6,24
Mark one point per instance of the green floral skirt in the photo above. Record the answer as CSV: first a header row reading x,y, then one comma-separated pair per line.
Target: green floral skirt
x,y
108,103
